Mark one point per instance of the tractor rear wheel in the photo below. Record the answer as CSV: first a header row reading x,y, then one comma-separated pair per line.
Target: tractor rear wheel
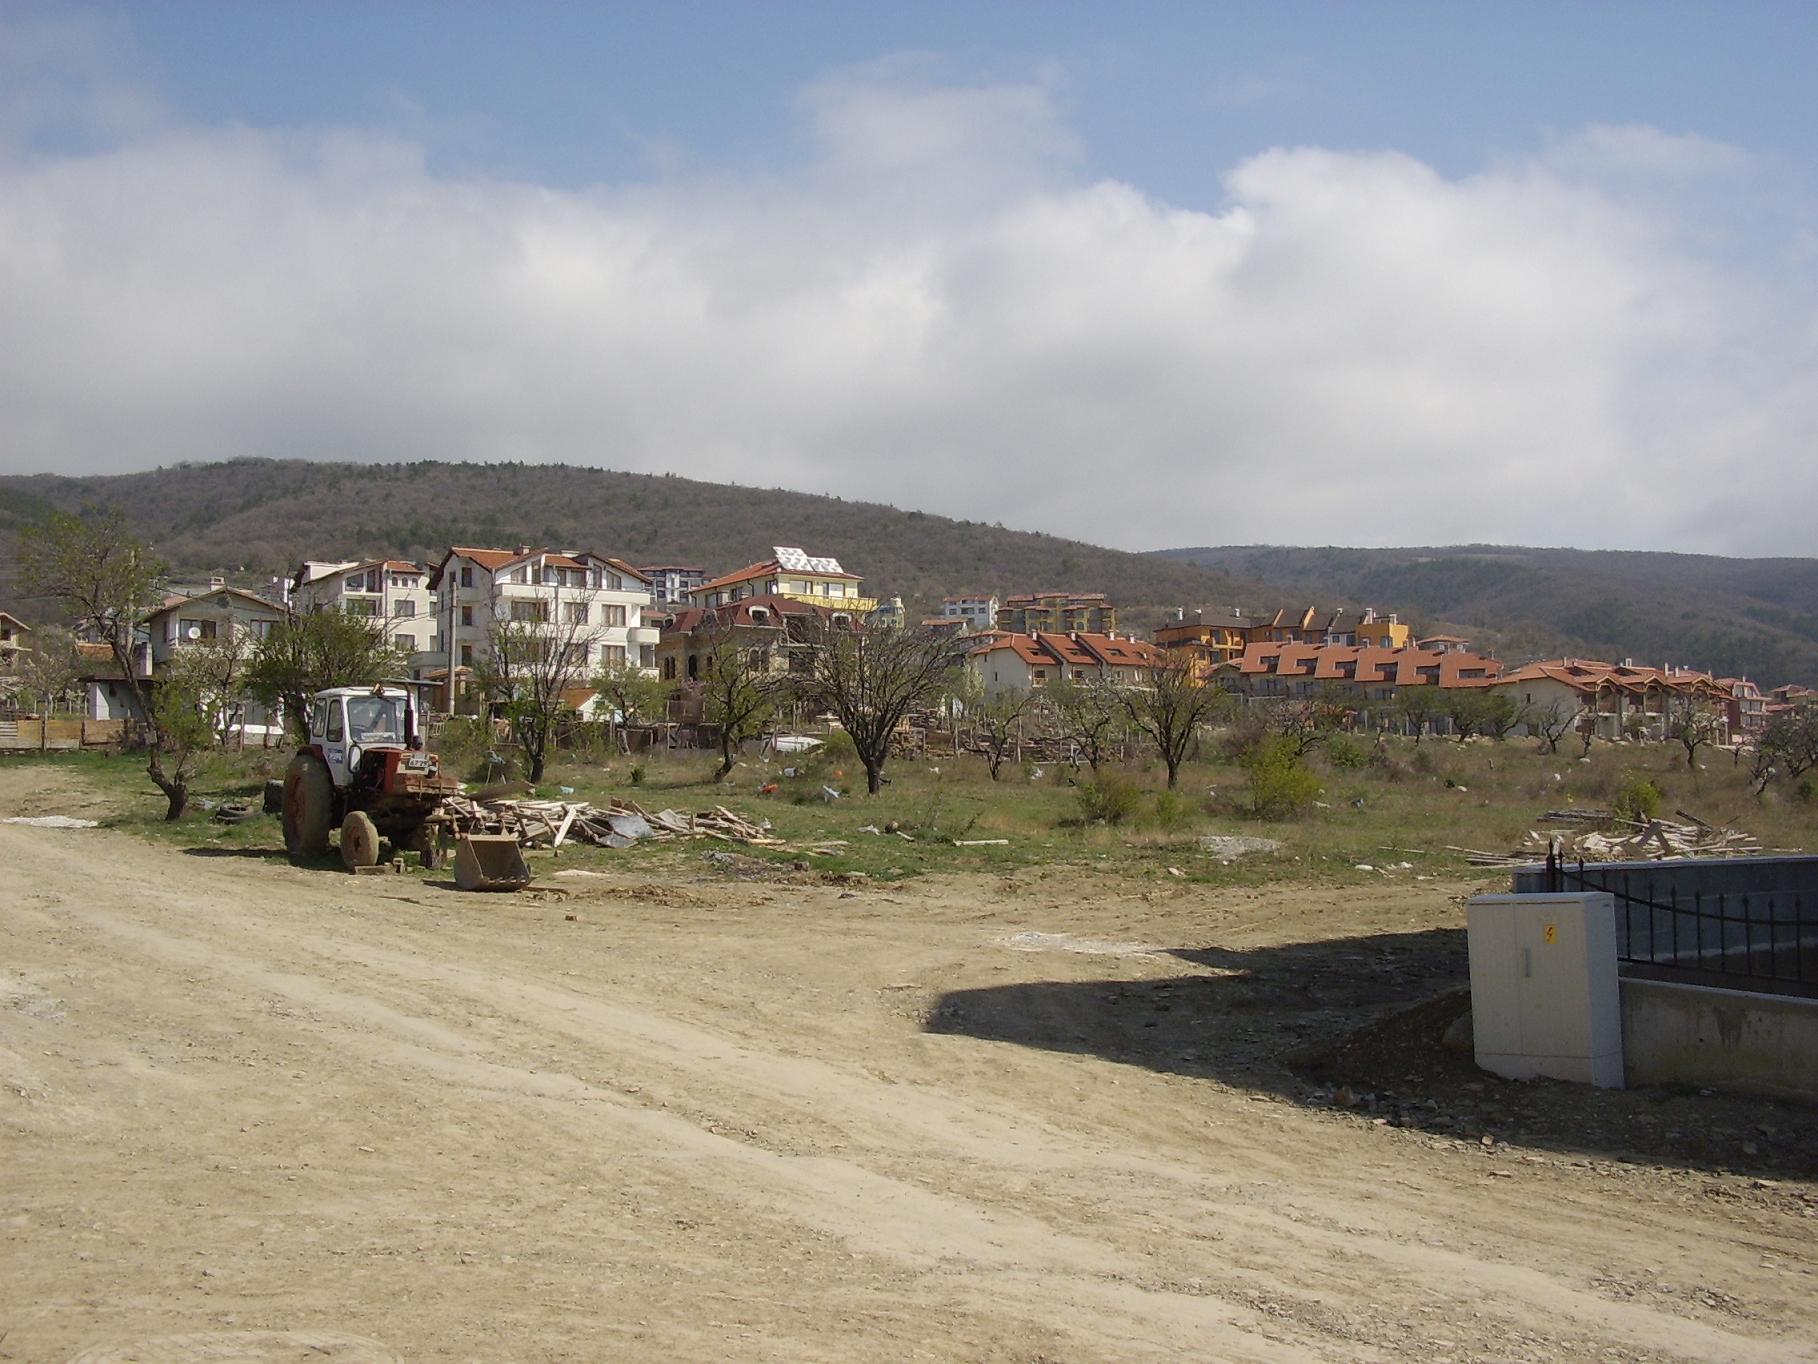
x,y
359,840
309,806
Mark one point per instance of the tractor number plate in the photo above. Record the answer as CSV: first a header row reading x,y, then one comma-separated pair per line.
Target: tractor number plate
x,y
417,762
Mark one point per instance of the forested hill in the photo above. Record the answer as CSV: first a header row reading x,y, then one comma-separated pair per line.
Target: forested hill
x,y
251,519
254,518
1748,617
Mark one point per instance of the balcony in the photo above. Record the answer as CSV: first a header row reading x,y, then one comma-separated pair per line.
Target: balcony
x,y
858,606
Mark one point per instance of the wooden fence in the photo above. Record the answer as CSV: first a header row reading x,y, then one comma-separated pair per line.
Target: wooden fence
x,y
59,733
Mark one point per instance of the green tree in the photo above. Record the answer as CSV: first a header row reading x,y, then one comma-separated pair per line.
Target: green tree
x,y
305,654
634,696
1419,707
107,580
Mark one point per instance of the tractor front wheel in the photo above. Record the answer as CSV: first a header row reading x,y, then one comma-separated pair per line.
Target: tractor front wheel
x,y
309,806
359,840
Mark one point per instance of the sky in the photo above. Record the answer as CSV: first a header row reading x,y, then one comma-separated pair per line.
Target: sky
x,y
1143,274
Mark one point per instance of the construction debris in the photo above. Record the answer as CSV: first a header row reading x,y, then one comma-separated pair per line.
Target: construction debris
x,y
618,824
1617,840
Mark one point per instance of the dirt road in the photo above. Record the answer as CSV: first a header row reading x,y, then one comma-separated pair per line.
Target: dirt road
x,y
248,1111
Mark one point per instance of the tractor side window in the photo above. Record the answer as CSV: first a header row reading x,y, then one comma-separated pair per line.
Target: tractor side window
x,y
335,733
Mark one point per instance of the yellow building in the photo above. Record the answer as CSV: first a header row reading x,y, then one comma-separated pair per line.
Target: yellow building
x,y
1383,632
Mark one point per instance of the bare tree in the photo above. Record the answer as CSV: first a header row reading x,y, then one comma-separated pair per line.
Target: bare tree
x,y
872,679
1693,719
536,655
741,688
1551,723
1306,722
1092,716
1170,706
996,726
1787,747
107,580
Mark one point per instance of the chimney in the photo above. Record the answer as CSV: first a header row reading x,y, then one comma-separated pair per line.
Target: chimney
x,y
1180,613
1198,614
523,549
216,582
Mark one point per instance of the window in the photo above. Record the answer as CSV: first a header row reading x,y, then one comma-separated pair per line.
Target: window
x,y
536,611
669,669
467,615
577,612
615,615
575,655
405,610
360,606
408,643
466,575
334,733
614,654
647,657
467,655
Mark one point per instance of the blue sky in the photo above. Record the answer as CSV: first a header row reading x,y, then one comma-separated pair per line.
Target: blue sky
x,y
1343,273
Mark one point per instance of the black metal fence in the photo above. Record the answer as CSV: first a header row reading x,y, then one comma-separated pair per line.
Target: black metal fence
x,y
1761,941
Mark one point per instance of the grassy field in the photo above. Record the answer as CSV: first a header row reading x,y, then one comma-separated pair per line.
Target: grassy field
x,y
1414,805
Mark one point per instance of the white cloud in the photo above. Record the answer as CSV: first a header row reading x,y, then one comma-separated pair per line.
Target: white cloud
x,y
1351,349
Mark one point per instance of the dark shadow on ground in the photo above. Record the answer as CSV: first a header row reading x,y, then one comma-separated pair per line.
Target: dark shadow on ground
x,y
261,854
1357,1025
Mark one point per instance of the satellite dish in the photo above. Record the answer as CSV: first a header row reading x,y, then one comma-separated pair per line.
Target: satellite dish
x,y
194,632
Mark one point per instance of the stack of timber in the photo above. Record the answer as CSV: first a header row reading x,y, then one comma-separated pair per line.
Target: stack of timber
x,y
617,824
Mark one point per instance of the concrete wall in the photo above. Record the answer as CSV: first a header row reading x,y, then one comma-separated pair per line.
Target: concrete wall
x,y
1695,1035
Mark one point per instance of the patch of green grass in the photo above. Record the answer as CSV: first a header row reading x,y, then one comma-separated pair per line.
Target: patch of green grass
x,y
1416,804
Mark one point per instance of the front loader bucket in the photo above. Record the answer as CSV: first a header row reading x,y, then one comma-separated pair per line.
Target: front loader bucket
x,y
490,862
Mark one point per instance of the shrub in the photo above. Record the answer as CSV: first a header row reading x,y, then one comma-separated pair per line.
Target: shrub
x,y
1345,751
1637,798
1806,792
637,774
1281,785
1172,810
1109,800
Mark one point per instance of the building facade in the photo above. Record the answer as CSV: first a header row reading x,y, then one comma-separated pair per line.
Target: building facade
x,y
586,601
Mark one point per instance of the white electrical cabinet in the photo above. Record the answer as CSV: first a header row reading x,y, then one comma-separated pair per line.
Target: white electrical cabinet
x,y
1544,995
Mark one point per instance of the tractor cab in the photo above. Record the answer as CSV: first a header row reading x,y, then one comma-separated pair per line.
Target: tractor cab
x,y
346,724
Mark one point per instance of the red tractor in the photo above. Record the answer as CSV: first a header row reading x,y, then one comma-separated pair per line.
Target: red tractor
x,y
364,771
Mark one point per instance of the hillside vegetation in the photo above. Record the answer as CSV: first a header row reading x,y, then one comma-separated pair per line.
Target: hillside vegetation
x,y
254,518
1749,617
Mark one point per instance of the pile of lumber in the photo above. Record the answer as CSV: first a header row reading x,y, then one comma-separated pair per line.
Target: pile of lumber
x,y
617,824
1617,840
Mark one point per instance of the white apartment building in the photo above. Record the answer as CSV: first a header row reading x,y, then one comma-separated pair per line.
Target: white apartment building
x,y
979,612
671,583
603,601
395,591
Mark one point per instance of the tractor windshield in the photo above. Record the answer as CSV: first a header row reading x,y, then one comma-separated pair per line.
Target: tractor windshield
x,y
375,719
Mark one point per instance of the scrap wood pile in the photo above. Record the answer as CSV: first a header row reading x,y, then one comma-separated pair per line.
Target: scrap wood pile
x,y
617,824
1602,836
